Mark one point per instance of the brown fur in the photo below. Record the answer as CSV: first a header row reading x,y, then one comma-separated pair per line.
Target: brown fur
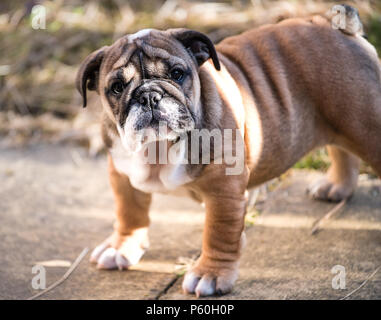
x,y
289,88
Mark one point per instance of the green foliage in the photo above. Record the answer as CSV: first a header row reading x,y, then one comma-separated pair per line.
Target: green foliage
x,y
317,160
374,31
251,217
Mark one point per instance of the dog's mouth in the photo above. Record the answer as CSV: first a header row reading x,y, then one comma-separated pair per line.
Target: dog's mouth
x,y
169,120
158,135
170,138
168,111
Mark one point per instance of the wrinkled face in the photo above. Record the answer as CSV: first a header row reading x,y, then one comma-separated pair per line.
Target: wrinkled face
x,y
149,83
149,79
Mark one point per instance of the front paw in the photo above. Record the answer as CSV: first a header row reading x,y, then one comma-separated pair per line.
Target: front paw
x,y
206,281
120,251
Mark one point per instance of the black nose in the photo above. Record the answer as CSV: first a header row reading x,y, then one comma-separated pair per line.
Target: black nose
x,y
150,99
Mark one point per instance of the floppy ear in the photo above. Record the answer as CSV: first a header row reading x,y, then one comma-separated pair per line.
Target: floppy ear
x,y
88,73
200,46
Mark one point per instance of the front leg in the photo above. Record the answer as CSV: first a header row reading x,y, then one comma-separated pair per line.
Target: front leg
x,y
223,239
126,245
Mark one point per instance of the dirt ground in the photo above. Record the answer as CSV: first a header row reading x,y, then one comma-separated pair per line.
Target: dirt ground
x,y
55,201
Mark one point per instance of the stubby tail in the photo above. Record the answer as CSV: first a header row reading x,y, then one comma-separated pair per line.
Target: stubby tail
x,y
346,19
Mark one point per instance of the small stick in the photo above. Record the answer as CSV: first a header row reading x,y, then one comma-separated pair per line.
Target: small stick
x,y
329,214
65,276
363,284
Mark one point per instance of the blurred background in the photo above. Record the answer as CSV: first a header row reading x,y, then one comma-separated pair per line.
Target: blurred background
x,y
38,99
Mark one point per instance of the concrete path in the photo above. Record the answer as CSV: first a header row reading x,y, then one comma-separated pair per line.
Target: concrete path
x,y
55,201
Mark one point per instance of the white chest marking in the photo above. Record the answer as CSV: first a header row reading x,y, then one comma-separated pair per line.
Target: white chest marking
x,y
146,177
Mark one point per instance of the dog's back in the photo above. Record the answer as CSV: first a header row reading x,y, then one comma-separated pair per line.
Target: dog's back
x,y
300,67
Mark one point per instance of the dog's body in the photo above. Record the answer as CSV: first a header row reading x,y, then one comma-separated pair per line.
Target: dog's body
x,y
287,88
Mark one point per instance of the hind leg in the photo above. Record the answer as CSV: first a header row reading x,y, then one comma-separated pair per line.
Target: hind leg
x,y
341,179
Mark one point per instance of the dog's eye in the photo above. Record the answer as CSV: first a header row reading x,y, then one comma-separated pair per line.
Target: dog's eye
x,y
117,87
177,75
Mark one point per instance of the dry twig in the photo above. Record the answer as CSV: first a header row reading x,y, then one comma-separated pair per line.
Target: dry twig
x,y
65,276
363,284
317,224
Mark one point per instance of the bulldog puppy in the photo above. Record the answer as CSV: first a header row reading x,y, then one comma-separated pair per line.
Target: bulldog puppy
x,y
280,90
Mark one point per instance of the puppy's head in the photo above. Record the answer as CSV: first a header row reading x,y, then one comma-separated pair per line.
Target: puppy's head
x,y
149,79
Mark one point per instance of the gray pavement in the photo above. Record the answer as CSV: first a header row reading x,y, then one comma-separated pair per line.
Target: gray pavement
x,y
55,201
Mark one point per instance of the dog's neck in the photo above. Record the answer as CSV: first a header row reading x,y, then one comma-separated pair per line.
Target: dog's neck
x,y
210,100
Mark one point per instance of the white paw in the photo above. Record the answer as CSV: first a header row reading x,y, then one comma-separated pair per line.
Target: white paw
x,y
328,191
120,251
204,284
